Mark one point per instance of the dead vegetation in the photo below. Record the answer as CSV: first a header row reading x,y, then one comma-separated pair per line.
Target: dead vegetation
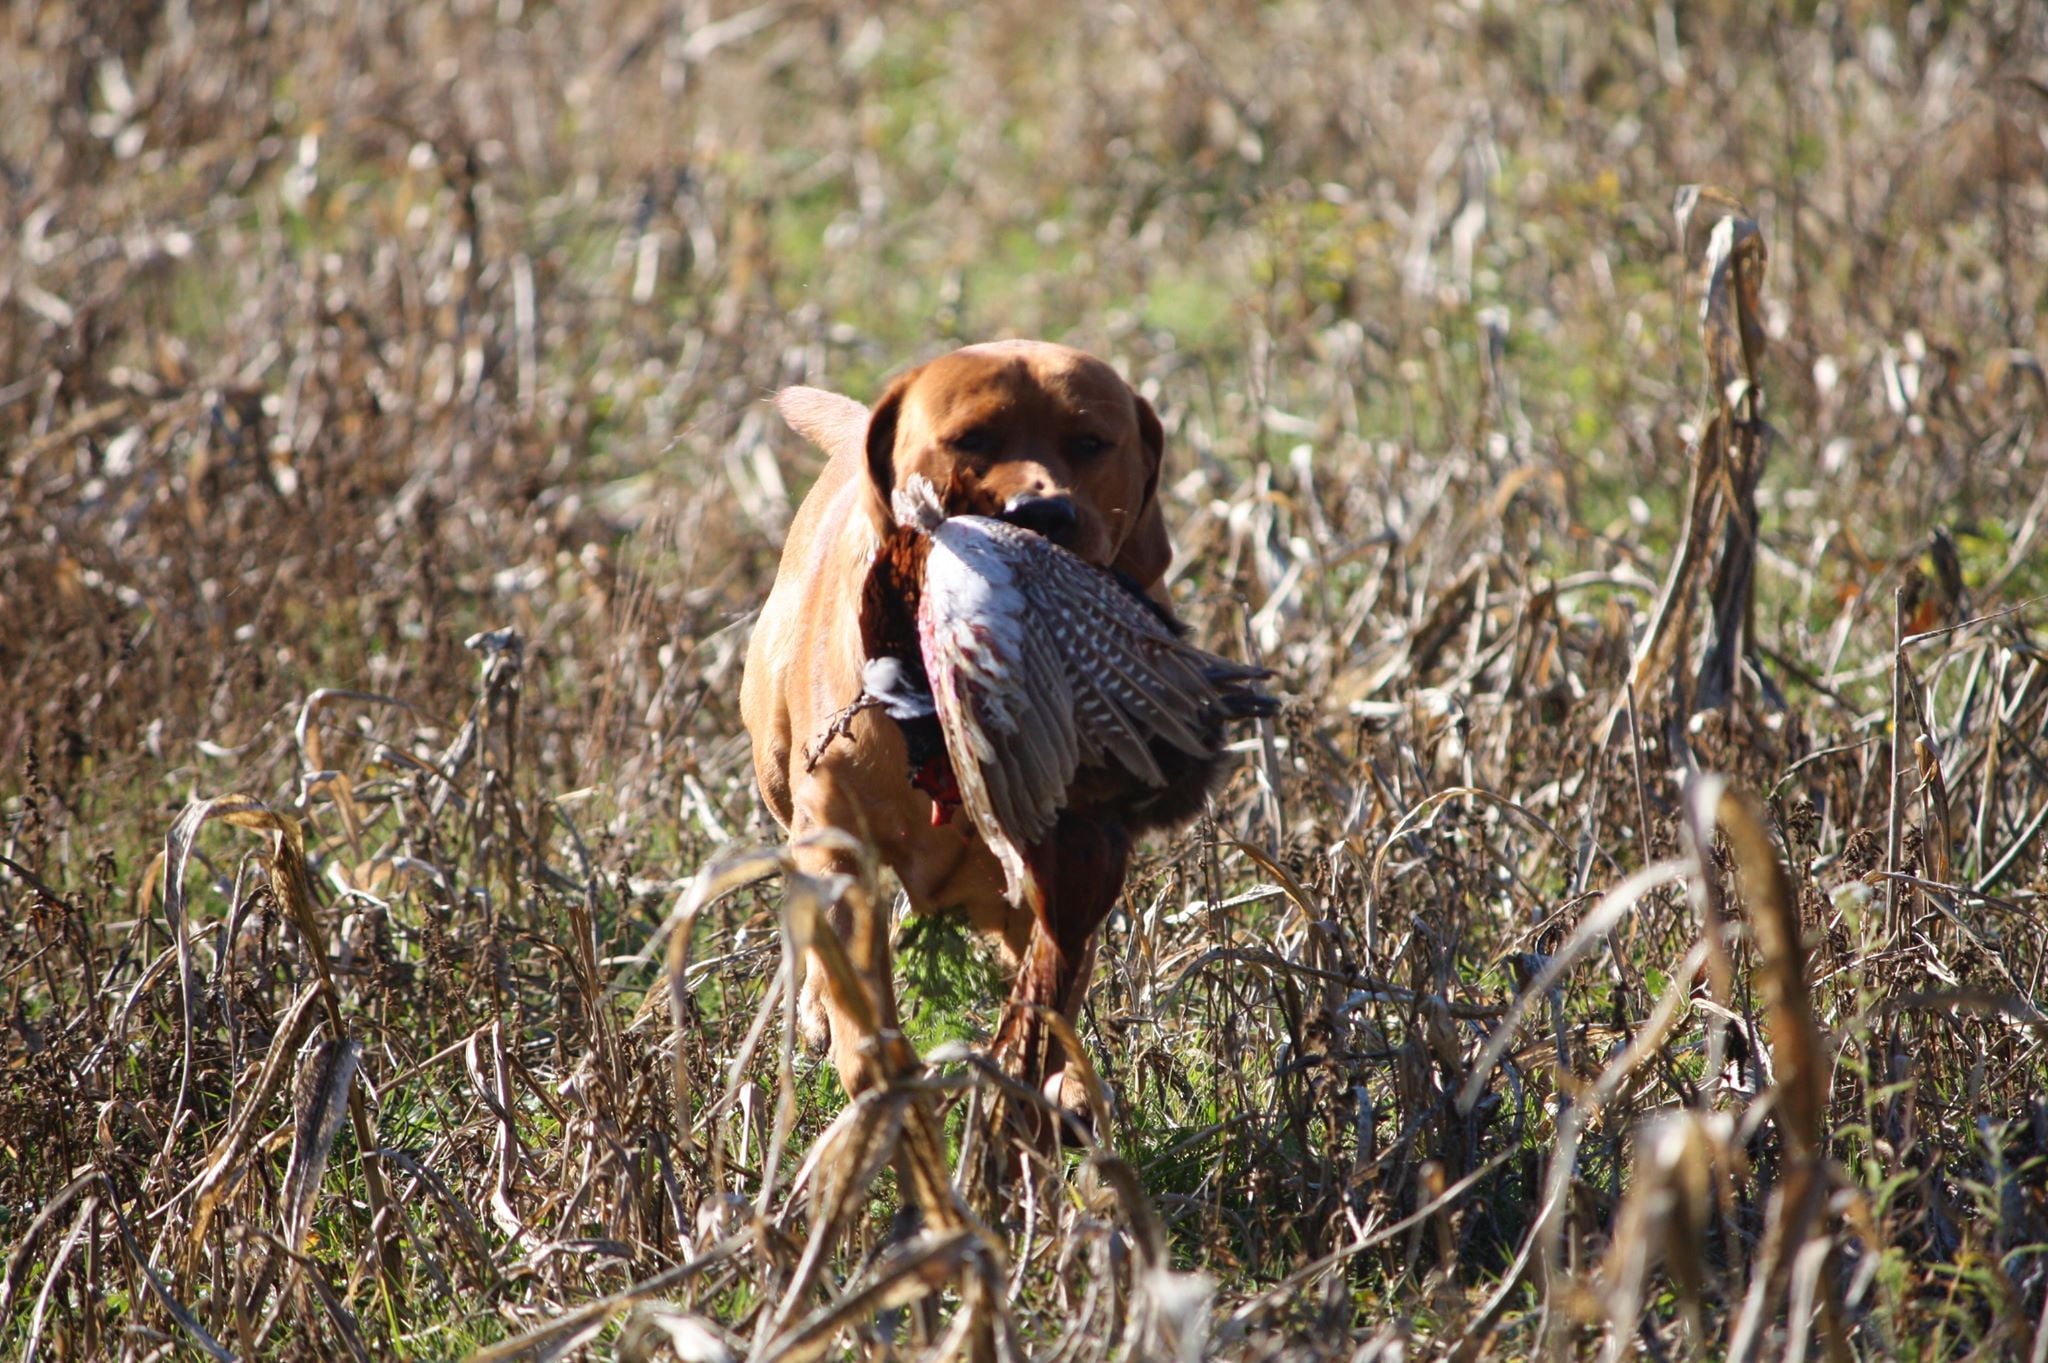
x,y
1626,943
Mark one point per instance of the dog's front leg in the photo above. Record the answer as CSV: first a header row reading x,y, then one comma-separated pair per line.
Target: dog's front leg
x,y
1081,864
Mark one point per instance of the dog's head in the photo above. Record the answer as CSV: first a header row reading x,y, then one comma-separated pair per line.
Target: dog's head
x,y
1043,436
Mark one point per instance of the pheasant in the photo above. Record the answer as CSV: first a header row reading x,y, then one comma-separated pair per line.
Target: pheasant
x,y
1056,704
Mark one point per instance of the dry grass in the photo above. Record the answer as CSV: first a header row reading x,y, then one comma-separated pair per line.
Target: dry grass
x,y
1625,943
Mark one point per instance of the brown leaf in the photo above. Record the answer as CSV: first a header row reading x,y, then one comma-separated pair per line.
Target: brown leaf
x,y
319,1103
1797,1057
1724,248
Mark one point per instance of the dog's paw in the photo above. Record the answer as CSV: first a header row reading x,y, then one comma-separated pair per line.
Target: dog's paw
x,y
1068,1095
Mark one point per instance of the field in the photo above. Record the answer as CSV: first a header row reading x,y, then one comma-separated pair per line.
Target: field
x,y
1626,942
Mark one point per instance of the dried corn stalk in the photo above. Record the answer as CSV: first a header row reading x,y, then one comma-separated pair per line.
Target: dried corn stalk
x,y
1724,248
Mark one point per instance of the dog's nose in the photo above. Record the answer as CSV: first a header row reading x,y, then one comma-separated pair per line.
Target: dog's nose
x,y
1056,518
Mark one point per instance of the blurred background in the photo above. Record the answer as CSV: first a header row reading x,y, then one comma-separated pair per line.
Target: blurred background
x,y
332,334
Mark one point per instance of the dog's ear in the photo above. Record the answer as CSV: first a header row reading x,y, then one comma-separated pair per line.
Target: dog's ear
x,y
835,424
1146,550
881,452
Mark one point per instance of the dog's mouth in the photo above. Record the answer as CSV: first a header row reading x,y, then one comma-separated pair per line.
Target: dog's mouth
x,y
1056,518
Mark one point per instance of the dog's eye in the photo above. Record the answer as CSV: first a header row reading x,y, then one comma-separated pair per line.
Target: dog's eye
x,y
1086,446
974,440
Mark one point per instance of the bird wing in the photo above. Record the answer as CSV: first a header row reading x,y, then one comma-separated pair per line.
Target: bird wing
x,y
1135,679
1003,697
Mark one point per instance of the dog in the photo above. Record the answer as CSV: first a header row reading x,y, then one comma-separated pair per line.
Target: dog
x,y
1043,436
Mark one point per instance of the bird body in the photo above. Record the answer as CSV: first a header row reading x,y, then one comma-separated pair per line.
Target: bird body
x,y
1037,690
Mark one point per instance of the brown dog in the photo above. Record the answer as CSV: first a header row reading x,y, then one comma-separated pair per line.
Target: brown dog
x,y
1038,434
